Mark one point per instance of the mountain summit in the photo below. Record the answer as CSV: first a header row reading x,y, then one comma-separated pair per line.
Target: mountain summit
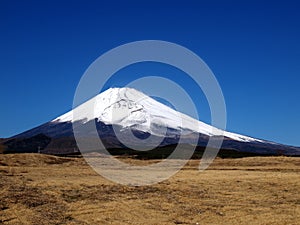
x,y
130,108
128,111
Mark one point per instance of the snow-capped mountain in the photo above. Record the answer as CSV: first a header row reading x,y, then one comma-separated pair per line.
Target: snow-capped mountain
x,y
130,108
127,109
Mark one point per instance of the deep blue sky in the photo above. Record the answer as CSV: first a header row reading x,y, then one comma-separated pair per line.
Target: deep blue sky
x,y
252,47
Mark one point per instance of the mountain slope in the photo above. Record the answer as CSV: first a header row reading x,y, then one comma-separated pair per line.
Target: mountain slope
x,y
129,110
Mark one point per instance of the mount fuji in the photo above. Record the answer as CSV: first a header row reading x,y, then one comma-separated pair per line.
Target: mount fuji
x,y
128,112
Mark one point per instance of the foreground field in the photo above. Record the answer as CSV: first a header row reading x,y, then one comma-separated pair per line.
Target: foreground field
x,y
41,189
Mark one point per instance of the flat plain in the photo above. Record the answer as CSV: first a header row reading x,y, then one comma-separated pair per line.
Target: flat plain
x,y
43,189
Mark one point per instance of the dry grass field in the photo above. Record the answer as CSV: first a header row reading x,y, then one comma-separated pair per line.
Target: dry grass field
x,y
41,189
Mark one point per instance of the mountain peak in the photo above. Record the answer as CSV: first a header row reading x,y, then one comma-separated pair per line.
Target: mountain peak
x,y
118,90
117,93
130,108
108,98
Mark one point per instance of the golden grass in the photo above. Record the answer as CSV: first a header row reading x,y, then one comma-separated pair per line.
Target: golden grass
x,y
41,189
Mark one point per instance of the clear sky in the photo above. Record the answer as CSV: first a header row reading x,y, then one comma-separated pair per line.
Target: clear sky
x,y
252,47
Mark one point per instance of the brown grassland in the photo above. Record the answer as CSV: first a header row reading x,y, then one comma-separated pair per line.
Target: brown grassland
x,y
42,189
